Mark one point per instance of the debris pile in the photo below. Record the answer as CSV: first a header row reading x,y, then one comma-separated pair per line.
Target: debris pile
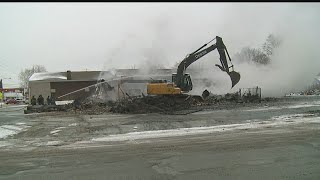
x,y
88,106
183,104
44,108
136,105
150,104
210,98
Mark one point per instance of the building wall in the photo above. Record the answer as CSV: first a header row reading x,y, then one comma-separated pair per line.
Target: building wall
x,y
85,75
39,87
65,87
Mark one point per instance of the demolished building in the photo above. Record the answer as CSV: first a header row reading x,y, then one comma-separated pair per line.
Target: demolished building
x,y
71,85
56,84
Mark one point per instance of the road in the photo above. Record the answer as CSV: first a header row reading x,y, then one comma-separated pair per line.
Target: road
x,y
276,143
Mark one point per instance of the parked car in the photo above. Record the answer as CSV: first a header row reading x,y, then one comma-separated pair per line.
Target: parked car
x,y
11,101
20,100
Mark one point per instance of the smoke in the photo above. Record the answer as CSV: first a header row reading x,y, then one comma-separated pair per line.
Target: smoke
x,y
295,63
167,35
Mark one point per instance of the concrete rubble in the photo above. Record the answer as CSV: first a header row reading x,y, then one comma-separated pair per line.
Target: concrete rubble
x,y
184,104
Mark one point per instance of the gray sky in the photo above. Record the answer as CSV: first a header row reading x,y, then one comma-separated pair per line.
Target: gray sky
x,y
100,36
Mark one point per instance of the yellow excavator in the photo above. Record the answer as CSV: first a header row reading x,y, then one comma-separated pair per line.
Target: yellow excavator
x,y
181,81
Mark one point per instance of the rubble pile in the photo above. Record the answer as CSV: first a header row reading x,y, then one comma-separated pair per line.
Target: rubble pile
x,y
153,104
89,107
183,104
43,108
136,105
150,104
220,98
211,99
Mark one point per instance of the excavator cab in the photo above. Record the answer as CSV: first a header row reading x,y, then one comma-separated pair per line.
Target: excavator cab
x,y
161,87
187,82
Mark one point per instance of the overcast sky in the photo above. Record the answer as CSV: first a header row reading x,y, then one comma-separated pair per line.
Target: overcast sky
x,y
101,36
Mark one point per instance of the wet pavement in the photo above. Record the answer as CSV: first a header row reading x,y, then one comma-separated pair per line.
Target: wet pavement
x,y
278,141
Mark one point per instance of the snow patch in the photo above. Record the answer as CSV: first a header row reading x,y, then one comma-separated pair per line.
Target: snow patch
x,y
55,131
11,127
48,76
275,121
64,102
5,132
53,143
265,109
290,116
8,130
73,124
304,105
4,144
14,106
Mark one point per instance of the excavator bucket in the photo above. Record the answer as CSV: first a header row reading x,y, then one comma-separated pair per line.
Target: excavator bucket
x,y
235,78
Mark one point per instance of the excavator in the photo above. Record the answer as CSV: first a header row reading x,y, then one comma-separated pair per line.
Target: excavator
x,y
181,81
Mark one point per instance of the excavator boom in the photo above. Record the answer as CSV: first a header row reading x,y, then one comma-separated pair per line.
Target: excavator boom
x,y
182,81
219,45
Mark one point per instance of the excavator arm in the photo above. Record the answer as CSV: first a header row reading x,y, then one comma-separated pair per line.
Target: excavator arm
x,y
191,58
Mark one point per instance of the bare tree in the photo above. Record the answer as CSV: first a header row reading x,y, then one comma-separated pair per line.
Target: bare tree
x,y
252,54
25,74
271,43
259,56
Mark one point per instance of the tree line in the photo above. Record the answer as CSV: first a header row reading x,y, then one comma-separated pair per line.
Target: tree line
x,y
262,55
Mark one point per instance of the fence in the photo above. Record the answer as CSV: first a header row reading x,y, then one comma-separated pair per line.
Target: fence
x,y
250,94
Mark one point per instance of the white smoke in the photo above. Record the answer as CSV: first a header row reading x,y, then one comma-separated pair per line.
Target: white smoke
x,y
165,39
294,64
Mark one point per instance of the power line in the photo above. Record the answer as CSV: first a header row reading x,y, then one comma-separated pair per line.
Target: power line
x,y
5,67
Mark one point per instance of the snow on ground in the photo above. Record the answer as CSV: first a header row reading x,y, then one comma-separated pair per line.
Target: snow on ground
x,y
53,143
63,102
303,105
55,131
4,144
73,124
291,116
8,130
274,121
5,106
